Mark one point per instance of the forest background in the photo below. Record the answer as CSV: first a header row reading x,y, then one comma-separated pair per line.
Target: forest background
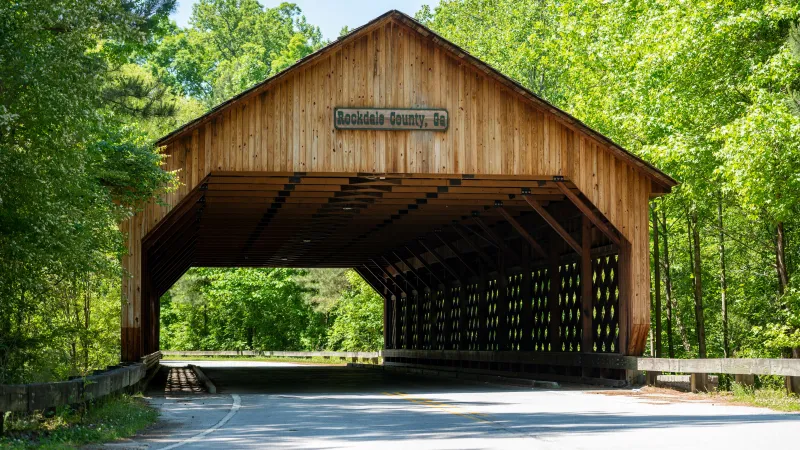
x,y
707,91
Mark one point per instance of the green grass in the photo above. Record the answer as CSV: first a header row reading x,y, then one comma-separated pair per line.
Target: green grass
x,y
312,360
104,421
767,397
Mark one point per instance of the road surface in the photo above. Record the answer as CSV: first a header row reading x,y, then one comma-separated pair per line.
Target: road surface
x,y
288,406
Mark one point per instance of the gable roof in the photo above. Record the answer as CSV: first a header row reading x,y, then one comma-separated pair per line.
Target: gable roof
x,y
662,179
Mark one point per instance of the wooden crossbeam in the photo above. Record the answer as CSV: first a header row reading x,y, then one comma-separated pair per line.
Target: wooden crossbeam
x,y
389,276
456,253
493,236
440,259
424,264
474,246
553,223
377,278
522,231
410,269
587,211
400,273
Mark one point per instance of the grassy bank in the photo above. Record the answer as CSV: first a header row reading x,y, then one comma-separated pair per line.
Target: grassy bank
x,y
104,421
767,397
312,360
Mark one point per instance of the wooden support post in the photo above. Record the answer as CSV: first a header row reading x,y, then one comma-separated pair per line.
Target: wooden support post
x,y
587,335
420,320
408,343
395,323
433,322
793,385
483,310
463,342
698,382
447,329
745,380
387,320
625,286
526,292
554,326
502,310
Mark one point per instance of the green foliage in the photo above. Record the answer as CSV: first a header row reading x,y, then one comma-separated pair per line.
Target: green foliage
x,y
231,45
71,167
702,89
767,397
106,420
271,309
236,309
358,318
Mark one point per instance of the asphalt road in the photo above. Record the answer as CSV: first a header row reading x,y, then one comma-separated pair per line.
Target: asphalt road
x,y
287,406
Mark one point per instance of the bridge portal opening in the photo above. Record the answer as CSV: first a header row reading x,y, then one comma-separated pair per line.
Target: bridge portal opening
x,y
503,234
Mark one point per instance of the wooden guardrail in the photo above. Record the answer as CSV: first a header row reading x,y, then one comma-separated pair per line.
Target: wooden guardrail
x,y
698,369
372,356
41,396
743,368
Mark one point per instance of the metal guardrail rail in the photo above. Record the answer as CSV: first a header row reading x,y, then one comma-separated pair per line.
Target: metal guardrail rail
x,y
40,396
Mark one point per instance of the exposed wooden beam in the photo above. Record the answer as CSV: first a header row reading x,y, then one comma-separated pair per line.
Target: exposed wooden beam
x,y
410,269
457,254
587,211
474,246
499,240
439,258
522,231
389,276
553,223
424,264
377,278
401,274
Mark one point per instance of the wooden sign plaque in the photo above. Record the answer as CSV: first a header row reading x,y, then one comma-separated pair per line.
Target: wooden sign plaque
x,y
390,119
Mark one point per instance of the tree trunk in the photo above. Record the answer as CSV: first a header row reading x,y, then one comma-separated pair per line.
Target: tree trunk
x,y
672,306
694,234
723,282
780,259
657,268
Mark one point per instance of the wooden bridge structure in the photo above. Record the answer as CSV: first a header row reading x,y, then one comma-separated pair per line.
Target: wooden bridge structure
x,y
490,221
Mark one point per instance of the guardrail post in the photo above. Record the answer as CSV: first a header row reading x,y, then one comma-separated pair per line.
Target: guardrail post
x,y
652,377
698,382
793,385
745,380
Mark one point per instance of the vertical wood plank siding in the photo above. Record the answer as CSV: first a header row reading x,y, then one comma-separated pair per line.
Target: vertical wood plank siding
x,y
287,125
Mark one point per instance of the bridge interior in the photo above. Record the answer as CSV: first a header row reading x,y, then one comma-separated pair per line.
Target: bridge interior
x,y
488,267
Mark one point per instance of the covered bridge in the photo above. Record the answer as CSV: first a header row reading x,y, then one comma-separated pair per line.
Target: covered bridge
x,y
503,233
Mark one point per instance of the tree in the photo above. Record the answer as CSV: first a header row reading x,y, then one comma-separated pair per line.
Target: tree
x,y
231,45
70,170
358,324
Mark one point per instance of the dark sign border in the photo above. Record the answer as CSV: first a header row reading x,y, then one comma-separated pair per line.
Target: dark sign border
x,y
335,126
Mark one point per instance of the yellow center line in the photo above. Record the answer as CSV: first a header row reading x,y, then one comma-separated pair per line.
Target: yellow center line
x,y
441,406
